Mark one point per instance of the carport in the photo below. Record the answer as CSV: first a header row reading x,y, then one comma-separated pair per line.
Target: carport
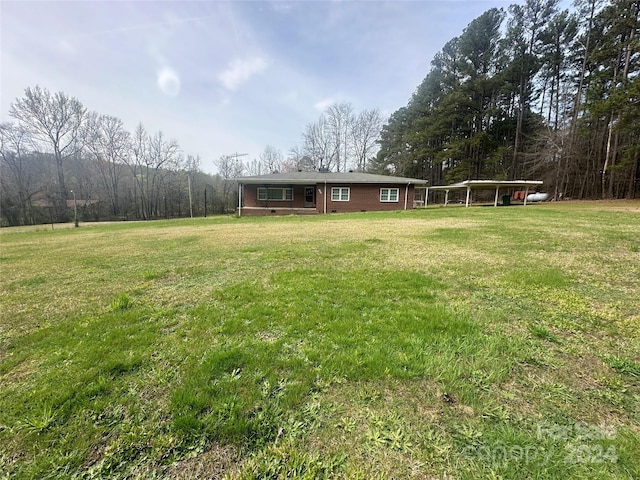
x,y
484,185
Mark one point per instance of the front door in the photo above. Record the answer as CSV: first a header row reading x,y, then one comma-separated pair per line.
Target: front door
x,y
309,197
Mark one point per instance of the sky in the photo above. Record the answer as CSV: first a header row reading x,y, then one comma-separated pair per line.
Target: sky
x,y
226,77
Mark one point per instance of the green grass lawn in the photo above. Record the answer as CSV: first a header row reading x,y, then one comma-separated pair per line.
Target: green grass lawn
x,y
438,343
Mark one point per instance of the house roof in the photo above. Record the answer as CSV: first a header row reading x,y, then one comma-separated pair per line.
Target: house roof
x,y
478,184
315,177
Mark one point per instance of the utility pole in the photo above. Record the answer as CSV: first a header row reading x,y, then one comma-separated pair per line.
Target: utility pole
x,y
190,202
75,210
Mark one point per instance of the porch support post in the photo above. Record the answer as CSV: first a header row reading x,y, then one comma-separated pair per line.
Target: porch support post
x,y
468,195
406,195
495,202
325,197
239,199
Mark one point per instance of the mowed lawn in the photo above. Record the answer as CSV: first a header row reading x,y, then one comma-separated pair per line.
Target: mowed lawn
x,y
440,343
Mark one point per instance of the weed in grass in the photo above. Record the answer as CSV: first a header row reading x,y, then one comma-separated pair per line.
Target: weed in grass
x,y
467,433
623,365
40,421
150,275
370,394
121,302
346,424
389,432
543,333
496,412
610,396
435,444
287,461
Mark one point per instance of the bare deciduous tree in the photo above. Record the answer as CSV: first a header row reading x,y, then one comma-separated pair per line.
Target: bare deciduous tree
x,y
317,146
365,133
271,159
56,120
151,159
137,162
340,118
17,172
254,167
108,144
340,139
164,157
229,168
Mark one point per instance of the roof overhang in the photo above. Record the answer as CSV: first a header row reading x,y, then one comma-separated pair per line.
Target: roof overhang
x,y
315,177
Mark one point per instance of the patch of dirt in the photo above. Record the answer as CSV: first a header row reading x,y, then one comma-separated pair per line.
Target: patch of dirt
x,y
19,372
581,373
580,376
212,464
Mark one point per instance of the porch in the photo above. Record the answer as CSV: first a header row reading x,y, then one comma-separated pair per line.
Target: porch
x,y
269,211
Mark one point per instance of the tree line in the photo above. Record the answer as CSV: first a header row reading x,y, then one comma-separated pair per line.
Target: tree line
x,y
531,92
58,155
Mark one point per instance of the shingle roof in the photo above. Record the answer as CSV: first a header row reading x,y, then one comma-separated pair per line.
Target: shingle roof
x,y
314,177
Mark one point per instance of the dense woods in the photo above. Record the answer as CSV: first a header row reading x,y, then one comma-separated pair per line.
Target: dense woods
x,y
532,92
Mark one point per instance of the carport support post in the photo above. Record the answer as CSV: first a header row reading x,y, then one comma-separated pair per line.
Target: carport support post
x,y
468,195
495,202
526,194
446,197
426,197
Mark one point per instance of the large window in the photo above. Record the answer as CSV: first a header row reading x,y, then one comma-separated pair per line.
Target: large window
x,y
388,194
282,194
340,194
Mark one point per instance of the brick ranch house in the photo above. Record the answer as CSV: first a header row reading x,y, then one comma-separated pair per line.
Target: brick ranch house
x,y
317,192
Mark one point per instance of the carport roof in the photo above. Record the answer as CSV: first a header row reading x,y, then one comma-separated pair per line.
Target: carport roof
x,y
488,184
315,177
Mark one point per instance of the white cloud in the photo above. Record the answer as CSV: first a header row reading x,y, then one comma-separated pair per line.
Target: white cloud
x,y
281,7
240,71
169,81
323,104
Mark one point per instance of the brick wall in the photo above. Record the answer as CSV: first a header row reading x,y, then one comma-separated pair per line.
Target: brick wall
x,y
367,198
362,198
